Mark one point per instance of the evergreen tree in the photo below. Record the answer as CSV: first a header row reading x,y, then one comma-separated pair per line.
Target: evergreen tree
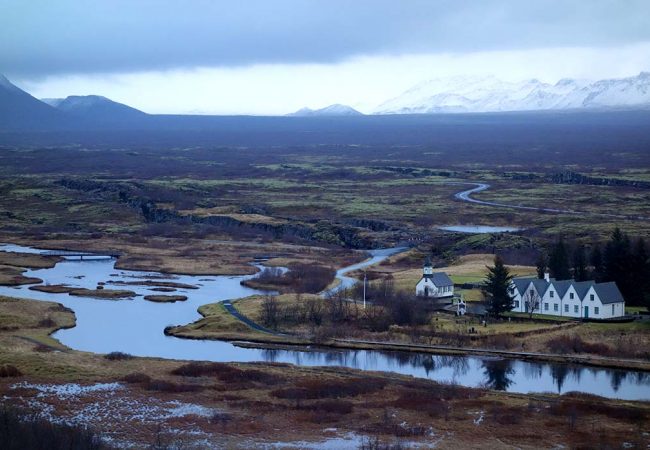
x,y
541,264
498,288
580,264
618,263
640,275
596,262
558,261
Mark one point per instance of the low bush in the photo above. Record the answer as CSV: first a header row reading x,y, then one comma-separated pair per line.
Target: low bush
x,y
117,356
315,389
226,373
47,323
22,431
137,378
507,415
9,371
582,406
341,407
167,386
565,344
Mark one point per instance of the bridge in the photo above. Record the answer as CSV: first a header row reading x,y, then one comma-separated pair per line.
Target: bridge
x,y
81,255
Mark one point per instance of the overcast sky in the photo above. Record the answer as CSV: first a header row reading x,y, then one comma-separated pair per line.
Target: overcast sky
x,y
275,56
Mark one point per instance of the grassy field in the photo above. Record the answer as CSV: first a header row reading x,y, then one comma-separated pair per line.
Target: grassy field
x,y
314,197
252,405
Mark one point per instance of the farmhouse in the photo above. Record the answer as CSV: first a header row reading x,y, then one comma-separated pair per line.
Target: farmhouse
x,y
568,298
434,284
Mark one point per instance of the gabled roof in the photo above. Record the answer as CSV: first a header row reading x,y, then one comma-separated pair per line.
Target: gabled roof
x,y
562,286
541,286
521,284
582,287
440,279
608,292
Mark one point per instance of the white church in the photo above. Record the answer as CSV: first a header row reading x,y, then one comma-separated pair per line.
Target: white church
x,y
568,298
434,284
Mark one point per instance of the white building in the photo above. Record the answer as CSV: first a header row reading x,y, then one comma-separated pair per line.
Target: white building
x,y
434,284
568,298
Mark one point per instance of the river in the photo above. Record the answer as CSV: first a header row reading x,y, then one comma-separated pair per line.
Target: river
x,y
136,327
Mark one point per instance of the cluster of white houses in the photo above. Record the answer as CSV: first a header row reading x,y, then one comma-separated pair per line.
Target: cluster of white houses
x,y
566,298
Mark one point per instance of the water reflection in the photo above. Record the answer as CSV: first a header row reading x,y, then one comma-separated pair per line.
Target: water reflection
x,y
141,324
498,374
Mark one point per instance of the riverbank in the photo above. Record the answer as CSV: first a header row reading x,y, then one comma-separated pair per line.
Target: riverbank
x,y
253,405
183,256
197,331
218,324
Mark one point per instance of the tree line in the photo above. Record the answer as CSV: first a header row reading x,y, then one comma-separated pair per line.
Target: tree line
x,y
622,259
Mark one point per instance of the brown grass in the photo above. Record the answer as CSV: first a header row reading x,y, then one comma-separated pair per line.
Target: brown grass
x,y
108,294
165,298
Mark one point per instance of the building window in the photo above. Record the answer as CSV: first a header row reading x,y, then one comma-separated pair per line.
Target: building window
x,y
556,307
566,308
596,310
552,294
575,309
612,310
571,295
591,297
545,306
516,303
532,292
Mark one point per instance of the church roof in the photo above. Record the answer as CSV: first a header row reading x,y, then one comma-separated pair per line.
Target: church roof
x,y
440,279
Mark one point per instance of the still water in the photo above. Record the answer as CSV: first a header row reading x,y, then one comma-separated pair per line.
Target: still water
x,y
136,327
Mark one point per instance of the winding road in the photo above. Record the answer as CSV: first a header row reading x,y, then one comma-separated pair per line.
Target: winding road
x,y
465,196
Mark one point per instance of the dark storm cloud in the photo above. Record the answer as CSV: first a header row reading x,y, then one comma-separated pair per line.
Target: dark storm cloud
x,y
43,37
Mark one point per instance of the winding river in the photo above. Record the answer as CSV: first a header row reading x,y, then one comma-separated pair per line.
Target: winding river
x,y
136,327
465,196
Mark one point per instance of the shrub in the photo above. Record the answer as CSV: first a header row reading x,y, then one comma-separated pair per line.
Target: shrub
x,y
330,406
575,344
117,356
225,373
137,378
22,431
314,389
47,323
7,371
167,386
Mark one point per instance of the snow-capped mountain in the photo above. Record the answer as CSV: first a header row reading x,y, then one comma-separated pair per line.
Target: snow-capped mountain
x,y
331,110
93,106
489,94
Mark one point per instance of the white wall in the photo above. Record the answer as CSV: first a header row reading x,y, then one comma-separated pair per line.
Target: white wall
x,y
576,307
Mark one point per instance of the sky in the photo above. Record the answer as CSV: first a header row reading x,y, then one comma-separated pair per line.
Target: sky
x,y
276,56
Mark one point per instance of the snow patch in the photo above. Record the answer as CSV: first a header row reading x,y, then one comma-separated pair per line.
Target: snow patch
x,y
66,391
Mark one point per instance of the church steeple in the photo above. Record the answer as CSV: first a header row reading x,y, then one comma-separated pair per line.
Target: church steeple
x,y
427,268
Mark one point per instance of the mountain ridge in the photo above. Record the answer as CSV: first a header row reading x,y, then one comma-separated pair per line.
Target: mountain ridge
x,y
470,94
333,110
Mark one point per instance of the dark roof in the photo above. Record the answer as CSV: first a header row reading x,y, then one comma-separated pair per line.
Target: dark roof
x,y
582,287
541,286
440,279
521,284
608,292
427,262
561,286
